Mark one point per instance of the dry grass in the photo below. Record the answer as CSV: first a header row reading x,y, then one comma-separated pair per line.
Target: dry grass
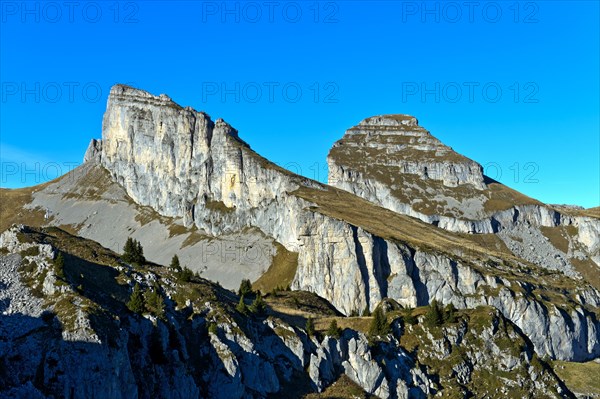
x,y
588,269
559,236
384,223
12,202
582,378
280,273
343,388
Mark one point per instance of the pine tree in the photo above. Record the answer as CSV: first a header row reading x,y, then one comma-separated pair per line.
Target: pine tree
x,y
139,253
258,306
185,275
175,263
434,316
333,330
241,306
129,250
310,327
245,287
136,301
133,252
155,301
379,326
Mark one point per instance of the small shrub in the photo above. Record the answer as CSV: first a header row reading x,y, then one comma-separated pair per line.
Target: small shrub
x,y
354,313
409,318
59,266
213,328
366,312
333,330
31,251
450,313
310,327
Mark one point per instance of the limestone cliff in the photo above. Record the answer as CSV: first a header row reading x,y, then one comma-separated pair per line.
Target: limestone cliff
x,y
66,332
180,163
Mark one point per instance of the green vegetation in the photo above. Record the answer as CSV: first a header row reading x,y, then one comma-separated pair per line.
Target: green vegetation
x,y
136,301
583,378
133,252
343,388
258,306
31,251
434,316
281,272
59,266
213,328
310,327
334,331
241,306
154,301
366,312
175,263
185,275
245,288
379,325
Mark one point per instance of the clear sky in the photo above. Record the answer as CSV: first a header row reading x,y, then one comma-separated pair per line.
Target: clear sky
x,y
513,85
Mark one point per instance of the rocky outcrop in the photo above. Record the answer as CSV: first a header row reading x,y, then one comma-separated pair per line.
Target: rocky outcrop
x,y
180,163
399,143
80,344
93,154
392,161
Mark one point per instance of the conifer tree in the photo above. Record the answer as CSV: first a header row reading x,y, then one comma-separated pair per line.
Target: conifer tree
x,y
258,306
175,263
379,326
434,316
136,301
245,287
241,306
334,331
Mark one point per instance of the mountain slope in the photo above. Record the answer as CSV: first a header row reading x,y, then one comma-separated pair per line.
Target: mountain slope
x,y
177,178
67,332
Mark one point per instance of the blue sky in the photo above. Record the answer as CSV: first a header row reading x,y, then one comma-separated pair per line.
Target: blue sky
x,y
513,85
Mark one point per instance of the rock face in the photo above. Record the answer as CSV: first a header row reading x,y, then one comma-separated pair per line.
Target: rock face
x,y
180,163
392,161
402,146
83,345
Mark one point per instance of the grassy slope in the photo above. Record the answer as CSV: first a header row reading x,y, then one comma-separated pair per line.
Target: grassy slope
x,y
351,153
582,378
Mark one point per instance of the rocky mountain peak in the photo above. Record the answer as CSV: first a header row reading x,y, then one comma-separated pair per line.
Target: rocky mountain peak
x,y
390,120
124,93
399,145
